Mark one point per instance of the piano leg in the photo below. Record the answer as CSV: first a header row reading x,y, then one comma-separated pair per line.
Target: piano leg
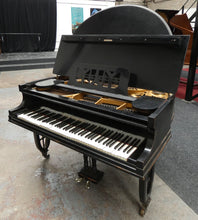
x,y
145,187
42,143
90,172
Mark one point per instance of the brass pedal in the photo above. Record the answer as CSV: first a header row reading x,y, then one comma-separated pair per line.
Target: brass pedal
x,y
78,179
88,184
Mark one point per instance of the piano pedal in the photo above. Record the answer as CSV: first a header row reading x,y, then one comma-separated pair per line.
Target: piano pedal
x,y
88,184
78,179
90,174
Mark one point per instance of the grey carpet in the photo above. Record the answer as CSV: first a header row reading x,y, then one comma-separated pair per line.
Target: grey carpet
x,y
178,164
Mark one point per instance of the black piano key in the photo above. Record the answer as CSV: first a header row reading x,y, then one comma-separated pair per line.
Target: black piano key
x,y
27,111
103,132
34,112
125,142
42,114
135,142
113,136
70,125
38,115
92,132
49,118
76,127
64,123
85,129
80,130
134,145
130,144
73,125
60,119
104,136
45,116
128,151
88,136
34,115
60,123
99,139
117,138
121,142
91,128
110,138
56,119
81,127
88,129
96,133
108,135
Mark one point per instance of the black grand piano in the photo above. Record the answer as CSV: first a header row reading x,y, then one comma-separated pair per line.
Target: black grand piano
x,y
112,95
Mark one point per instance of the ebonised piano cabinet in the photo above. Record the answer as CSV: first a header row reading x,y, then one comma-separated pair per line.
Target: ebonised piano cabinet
x,y
141,52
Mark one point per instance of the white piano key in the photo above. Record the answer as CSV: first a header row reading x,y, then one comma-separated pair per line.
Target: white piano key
x,y
86,139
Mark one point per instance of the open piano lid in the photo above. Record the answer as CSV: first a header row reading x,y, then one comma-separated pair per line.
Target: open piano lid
x,y
151,60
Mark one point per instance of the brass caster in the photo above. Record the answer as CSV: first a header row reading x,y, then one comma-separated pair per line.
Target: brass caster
x,y
88,184
142,212
78,179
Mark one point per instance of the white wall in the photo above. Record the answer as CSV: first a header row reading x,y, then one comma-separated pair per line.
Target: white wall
x,y
132,2
64,21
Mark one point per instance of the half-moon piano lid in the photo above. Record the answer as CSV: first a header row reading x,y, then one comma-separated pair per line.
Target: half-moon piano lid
x,y
147,50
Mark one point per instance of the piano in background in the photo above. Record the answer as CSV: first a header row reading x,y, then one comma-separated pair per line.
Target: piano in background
x,y
112,95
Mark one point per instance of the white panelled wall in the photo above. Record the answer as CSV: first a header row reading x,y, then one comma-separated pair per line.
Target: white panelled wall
x,y
64,20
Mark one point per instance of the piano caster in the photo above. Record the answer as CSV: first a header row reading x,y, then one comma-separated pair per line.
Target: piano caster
x,y
143,207
42,143
142,211
145,188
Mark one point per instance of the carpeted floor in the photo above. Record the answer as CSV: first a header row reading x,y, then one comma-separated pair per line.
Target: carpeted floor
x,y
177,165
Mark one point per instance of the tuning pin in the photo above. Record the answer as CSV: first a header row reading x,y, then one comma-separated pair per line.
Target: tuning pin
x,y
78,179
88,184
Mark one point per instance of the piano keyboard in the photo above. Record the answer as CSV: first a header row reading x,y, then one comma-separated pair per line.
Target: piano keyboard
x,y
109,140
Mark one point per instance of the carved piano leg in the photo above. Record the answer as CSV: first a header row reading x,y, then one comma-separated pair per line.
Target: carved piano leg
x,y
145,187
90,172
42,143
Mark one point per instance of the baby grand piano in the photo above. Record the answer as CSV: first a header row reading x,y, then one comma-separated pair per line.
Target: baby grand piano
x,y
112,96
